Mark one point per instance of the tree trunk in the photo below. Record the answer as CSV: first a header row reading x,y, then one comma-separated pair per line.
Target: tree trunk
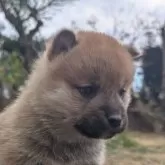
x,y
28,52
162,93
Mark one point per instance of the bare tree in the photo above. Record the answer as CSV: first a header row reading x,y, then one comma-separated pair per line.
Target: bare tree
x,y
27,17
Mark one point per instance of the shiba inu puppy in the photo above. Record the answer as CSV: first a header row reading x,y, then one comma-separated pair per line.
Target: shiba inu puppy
x,y
75,98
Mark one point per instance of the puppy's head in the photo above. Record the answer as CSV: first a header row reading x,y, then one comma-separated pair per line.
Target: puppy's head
x,y
87,83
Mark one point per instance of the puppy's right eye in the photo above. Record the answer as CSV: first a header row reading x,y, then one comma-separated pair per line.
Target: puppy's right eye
x,y
88,91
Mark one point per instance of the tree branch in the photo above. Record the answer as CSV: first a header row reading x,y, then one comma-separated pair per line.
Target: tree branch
x,y
36,29
27,18
34,14
48,4
15,9
15,21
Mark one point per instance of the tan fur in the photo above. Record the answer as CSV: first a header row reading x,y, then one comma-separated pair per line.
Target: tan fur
x,y
37,127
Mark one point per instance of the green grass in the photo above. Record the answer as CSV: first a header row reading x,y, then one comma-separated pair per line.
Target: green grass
x,y
122,141
125,141
132,148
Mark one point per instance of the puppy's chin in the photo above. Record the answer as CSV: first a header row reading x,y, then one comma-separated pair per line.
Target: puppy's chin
x,y
96,127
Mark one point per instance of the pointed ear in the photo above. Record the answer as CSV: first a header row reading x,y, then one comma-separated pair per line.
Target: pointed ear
x,y
64,41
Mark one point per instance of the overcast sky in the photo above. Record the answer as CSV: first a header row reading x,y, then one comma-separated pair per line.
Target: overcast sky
x,y
105,11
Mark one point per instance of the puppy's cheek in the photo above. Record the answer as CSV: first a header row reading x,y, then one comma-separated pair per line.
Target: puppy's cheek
x,y
92,127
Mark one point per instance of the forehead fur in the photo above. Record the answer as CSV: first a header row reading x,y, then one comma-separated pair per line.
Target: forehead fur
x,y
96,57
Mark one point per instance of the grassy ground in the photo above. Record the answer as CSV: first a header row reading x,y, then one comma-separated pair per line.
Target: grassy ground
x,y
136,149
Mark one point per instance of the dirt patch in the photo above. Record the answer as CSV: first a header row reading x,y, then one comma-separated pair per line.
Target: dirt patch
x,y
145,149
129,158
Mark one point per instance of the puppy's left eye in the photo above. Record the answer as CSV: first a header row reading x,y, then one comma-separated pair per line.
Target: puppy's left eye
x,y
88,91
122,92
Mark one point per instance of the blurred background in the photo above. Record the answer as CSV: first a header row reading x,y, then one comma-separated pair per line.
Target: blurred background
x,y
138,24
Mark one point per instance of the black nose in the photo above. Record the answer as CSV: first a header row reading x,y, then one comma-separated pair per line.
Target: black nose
x,y
115,121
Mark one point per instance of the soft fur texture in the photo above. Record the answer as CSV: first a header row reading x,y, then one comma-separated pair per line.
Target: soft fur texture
x,y
76,97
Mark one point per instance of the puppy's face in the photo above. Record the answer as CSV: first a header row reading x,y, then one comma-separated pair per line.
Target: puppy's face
x,y
88,83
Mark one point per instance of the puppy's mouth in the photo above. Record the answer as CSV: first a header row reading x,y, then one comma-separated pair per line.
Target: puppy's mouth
x,y
97,127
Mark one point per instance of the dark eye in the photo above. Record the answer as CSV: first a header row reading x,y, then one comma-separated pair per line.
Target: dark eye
x,y
122,92
88,91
